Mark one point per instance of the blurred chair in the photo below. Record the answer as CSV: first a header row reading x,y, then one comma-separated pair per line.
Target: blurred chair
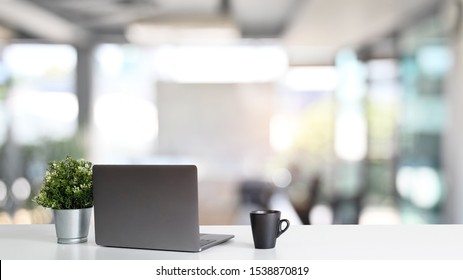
x,y
303,205
347,210
254,195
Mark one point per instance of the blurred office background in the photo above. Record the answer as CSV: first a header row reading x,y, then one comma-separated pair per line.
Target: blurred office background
x,y
335,112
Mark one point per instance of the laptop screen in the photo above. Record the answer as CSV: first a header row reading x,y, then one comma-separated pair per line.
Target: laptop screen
x,y
146,206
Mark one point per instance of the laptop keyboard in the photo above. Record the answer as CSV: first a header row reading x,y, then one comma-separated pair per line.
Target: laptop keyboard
x,y
204,242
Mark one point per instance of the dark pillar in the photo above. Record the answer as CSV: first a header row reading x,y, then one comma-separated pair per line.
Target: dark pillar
x,y
84,81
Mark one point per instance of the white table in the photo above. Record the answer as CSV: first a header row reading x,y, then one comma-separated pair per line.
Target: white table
x,y
339,242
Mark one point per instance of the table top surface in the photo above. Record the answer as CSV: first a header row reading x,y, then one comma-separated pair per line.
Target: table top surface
x,y
332,242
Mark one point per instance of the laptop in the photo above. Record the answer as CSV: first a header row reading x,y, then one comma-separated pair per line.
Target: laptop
x,y
149,207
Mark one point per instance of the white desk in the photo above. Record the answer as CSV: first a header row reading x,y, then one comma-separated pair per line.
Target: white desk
x,y
299,242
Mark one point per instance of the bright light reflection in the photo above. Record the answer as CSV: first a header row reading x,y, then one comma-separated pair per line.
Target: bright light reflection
x,y
426,192
351,73
321,215
47,105
421,185
125,119
151,34
110,59
282,131
226,64
21,189
5,218
37,60
38,115
405,181
281,177
383,69
434,60
22,216
379,216
315,78
351,136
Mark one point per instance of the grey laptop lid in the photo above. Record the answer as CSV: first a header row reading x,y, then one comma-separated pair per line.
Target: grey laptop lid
x,y
149,207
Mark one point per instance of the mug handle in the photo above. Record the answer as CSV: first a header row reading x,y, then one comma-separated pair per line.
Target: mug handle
x,y
280,230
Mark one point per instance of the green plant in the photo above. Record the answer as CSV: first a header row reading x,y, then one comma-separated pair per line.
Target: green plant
x,y
67,184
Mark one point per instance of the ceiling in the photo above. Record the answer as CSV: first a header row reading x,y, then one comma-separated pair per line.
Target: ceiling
x,y
310,29
105,20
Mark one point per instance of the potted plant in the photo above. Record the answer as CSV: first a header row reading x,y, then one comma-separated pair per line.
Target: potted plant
x,y
68,190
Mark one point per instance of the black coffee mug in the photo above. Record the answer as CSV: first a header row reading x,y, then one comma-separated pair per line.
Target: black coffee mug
x,y
267,227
